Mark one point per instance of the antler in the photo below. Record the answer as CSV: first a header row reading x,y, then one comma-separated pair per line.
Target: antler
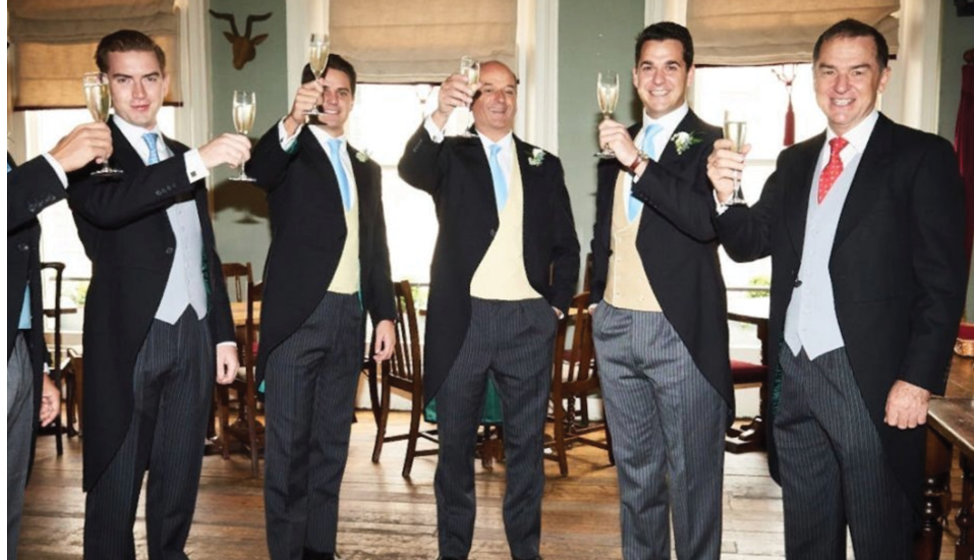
x,y
231,19
254,17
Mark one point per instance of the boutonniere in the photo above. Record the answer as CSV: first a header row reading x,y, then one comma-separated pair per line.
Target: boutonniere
x,y
684,140
362,156
537,157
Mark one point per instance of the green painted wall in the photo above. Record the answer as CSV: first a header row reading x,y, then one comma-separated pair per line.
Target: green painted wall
x,y
957,37
240,211
592,36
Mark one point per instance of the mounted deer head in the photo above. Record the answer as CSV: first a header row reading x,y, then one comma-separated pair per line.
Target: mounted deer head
x,y
242,46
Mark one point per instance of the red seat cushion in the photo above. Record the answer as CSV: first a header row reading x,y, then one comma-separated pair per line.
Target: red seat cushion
x,y
748,372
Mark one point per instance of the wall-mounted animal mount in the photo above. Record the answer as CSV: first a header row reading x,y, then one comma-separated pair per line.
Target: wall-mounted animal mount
x,y
242,46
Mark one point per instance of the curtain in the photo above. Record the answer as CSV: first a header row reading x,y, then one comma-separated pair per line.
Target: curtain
x,y
756,32
963,142
54,41
411,41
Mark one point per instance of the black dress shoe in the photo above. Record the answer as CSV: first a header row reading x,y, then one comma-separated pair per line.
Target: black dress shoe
x,y
314,555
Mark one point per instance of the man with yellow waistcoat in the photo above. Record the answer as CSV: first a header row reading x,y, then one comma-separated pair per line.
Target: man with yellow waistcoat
x,y
661,338
504,222
327,263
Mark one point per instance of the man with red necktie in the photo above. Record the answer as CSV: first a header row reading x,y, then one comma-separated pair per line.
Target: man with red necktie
x,y
864,224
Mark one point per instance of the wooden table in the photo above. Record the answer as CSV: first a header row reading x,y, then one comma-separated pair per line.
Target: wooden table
x,y
950,425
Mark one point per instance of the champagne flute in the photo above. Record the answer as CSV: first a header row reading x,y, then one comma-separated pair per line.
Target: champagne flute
x,y
243,117
422,91
607,92
470,69
319,53
97,99
736,129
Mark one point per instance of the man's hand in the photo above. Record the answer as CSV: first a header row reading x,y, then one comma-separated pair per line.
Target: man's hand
x,y
724,165
83,144
307,97
616,137
907,405
454,92
384,340
50,401
231,149
227,358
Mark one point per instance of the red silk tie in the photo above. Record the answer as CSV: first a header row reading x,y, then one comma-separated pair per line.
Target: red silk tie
x,y
833,169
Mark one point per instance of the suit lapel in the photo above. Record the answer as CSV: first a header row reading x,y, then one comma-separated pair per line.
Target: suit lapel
x,y
797,200
868,180
316,156
123,151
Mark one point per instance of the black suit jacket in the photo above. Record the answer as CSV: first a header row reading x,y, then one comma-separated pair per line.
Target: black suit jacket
x,y
124,227
678,246
457,175
308,235
897,268
31,188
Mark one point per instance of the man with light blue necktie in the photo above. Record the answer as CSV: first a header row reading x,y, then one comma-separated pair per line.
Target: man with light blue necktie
x,y
661,338
328,262
31,395
505,266
158,327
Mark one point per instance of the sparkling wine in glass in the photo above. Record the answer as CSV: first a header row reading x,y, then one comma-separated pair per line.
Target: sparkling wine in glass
x,y
607,93
319,53
243,117
736,129
470,69
97,99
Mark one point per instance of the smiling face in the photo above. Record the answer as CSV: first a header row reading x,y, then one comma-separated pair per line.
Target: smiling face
x,y
336,101
138,86
847,80
661,78
496,105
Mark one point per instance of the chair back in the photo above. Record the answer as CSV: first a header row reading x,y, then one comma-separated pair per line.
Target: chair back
x,y
574,363
239,275
406,362
59,270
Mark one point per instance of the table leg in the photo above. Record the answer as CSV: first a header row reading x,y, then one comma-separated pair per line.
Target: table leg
x,y
964,519
938,464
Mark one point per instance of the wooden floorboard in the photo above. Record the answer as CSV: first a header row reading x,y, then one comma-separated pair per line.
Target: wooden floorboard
x,y
383,516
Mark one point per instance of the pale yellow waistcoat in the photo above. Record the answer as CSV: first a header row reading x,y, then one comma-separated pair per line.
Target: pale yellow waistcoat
x,y
347,277
627,286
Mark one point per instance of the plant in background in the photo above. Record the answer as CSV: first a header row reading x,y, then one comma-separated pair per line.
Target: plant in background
x,y
762,282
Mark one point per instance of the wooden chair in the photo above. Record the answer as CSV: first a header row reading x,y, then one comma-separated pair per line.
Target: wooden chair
x,y
246,428
574,378
751,436
57,427
404,372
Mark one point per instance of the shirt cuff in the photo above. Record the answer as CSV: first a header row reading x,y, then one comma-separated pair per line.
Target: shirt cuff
x,y
287,141
228,343
59,171
196,170
722,205
435,133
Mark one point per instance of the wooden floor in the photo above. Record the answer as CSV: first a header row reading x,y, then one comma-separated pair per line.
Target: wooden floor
x,y
384,516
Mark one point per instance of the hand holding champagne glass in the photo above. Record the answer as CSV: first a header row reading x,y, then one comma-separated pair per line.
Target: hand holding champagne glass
x,y
319,53
97,99
735,130
607,92
243,117
470,69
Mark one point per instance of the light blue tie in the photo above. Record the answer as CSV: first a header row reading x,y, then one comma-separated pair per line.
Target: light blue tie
x,y
499,182
24,323
649,134
151,142
338,169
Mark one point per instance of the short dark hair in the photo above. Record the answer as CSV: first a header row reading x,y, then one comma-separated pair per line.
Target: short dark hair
x,y
661,32
851,28
336,62
126,40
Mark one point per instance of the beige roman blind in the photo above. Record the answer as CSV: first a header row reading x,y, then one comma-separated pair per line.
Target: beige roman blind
x,y
53,43
410,41
753,32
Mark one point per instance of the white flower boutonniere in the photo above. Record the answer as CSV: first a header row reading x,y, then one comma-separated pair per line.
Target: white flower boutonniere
x,y
363,156
537,157
684,140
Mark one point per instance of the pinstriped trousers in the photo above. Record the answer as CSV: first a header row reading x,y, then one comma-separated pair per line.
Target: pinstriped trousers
x,y
172,384
833,467
513,343
310,384
20,420
668,430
